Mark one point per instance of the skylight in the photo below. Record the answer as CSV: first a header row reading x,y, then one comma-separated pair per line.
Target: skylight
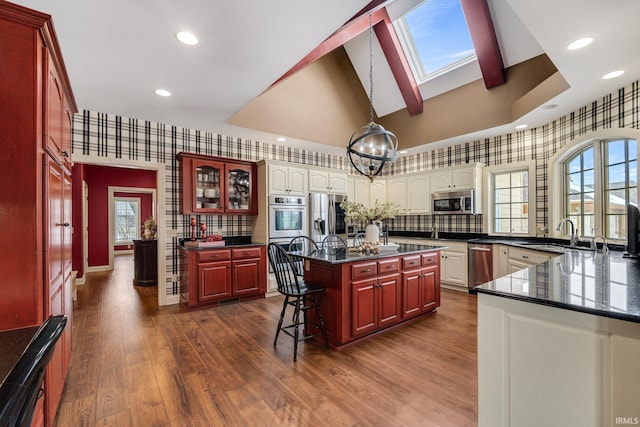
x,y
436,38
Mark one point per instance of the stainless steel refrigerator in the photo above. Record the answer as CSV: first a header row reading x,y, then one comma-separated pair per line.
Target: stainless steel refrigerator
x,y
326,216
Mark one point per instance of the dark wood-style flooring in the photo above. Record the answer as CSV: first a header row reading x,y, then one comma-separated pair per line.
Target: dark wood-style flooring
x,y
137,364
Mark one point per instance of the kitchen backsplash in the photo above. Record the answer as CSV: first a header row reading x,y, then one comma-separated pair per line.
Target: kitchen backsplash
x,y
100,138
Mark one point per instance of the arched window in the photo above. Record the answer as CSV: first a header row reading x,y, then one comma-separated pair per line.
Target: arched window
x,y
599,181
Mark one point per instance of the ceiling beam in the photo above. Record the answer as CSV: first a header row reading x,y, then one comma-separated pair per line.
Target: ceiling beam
x,y
485,42
389,42
399,65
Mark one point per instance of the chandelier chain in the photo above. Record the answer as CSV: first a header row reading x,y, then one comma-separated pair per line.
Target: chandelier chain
x,y
370,69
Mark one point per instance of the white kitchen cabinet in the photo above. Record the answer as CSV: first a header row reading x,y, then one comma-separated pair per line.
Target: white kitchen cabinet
x,y
397,191
327,182
520,258
417,194
287,180
358,190
454,179
378,191
453,263
500,260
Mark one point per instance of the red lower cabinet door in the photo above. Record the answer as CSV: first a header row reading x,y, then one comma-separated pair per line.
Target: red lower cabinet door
x,y
214,280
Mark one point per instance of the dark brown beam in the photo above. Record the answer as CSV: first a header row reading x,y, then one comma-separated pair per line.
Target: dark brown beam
x,y
348,31
485,41
400,68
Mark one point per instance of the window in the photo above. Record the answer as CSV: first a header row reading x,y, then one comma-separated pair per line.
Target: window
x,y
511,202
435,38
606,171
127,219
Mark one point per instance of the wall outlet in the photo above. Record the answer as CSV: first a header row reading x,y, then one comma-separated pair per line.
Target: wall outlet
x,y
174,277
542,230
173,233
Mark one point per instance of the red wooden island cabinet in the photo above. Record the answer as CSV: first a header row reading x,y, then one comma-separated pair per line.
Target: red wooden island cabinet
x,y
365,295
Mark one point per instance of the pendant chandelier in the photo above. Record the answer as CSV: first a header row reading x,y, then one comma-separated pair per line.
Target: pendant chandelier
x,y
371,147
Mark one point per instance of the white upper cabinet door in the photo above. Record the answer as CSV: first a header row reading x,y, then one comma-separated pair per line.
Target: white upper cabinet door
x,y
361,191
278,179
287,180
441,181
327,182
463,179
337,183
397,191
298,181
318,181
418,195
378,191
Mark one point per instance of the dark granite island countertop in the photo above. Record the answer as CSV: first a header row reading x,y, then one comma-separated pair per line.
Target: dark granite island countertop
x,y
585,281
349,256
12,345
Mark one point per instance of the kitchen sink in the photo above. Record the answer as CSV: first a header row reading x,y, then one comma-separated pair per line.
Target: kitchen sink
x,y
551,247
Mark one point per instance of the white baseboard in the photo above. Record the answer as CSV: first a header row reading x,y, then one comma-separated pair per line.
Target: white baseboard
x,y
97,268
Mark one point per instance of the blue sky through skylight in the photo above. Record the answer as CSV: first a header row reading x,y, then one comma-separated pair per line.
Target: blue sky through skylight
x,y
440,34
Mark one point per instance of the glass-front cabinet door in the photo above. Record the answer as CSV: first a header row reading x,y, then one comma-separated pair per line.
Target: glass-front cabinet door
x,y
217,185
238,188
208,179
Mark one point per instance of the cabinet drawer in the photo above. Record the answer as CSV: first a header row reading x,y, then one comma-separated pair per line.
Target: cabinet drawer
x,y
242,253
430,259
410,262
362,270
391,265
219,255
529,256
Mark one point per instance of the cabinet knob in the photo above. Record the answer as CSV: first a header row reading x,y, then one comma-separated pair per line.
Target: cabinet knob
x,y
64,224
367,270
525,256
65,154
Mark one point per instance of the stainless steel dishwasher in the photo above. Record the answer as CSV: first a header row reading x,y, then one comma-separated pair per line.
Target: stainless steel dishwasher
x,y
480,264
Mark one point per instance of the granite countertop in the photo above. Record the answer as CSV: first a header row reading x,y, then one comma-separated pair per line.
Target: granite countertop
x,y
230,242
586,281
348,256
12,345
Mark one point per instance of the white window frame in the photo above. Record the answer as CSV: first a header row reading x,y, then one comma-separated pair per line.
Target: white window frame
x,y
489,173
556,179
138,220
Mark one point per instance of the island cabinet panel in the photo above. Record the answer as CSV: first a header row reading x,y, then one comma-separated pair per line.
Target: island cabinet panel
x,y
209,277
367,296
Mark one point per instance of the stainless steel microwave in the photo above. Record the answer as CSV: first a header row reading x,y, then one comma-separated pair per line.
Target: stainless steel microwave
x,y
454,202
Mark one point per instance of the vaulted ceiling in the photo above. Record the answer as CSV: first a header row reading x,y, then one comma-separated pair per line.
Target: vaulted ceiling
x,y
118,52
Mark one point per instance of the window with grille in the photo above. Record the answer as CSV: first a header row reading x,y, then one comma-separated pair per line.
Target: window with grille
x,y
511,202
127,219
599,181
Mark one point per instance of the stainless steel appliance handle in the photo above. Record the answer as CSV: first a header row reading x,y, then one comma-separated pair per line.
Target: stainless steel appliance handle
x,y
462,204
471,248
332,216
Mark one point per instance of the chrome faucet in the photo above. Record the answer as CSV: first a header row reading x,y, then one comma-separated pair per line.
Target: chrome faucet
x,y
573,237
594,246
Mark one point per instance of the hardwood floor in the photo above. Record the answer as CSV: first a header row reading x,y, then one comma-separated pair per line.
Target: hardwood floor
x,y
137,364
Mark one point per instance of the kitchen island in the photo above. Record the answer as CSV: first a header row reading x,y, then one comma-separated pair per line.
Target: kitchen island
x,y
559,343
366,294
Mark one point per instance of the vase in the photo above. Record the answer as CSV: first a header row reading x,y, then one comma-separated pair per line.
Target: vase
x,y
148,233
372,233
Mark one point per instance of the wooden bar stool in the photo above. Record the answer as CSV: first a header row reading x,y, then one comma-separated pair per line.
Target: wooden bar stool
x,y
297,295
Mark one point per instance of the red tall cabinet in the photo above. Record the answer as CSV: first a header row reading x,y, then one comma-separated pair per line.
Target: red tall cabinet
x,y
35,186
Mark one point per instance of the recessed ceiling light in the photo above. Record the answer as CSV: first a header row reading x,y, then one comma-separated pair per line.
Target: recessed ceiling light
x,y
521,126
281,139
162,92
403,151
580,43
187,38
613,74
550,106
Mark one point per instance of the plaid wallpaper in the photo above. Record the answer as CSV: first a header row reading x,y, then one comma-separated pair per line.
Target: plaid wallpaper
x,y
100,137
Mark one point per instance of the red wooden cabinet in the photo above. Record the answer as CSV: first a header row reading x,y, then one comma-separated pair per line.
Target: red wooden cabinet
x,y
420,284
35,259
217,185
211,276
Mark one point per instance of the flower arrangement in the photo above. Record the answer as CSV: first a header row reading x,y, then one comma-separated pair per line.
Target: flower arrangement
x,y
379,212
150,224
